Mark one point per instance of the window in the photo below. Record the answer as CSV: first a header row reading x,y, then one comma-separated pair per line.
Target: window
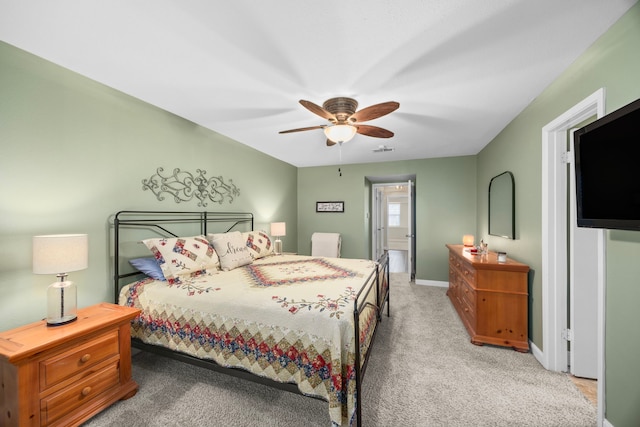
x,y
393,214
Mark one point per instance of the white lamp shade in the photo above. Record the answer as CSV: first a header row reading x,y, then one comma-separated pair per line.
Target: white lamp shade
x,y
340,133
60,253
278,229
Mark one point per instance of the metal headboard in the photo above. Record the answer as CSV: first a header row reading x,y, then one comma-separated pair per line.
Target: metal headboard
x,y
170,224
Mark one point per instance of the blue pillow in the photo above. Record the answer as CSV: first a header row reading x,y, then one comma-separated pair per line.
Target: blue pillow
x,y
148,266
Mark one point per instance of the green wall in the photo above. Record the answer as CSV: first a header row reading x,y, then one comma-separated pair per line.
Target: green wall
x,y
74,152
445,207
612,62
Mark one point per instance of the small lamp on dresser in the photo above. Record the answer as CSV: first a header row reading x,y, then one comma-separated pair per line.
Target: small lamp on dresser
x,y
60,254
278,229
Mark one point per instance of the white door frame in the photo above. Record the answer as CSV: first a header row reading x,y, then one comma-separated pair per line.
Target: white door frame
x,y
554,268
379,222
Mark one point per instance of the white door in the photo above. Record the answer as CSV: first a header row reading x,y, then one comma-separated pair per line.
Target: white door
x,y
410,232
583,288
377,222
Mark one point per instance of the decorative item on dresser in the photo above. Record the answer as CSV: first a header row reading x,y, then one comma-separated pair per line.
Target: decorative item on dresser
x,y
490,297
65,375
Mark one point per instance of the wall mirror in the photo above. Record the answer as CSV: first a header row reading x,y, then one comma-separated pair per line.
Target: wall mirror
x,y
502,209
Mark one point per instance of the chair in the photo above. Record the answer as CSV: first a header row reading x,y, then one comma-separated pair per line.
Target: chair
x,y
326,244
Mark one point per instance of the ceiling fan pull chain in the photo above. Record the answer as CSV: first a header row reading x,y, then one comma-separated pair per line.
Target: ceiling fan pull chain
x,y
340,161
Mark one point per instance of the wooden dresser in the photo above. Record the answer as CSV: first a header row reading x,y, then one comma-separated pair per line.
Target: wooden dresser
x,y
63,375
491,298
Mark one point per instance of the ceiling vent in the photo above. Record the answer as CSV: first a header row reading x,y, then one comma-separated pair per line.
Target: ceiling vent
x,y
383,149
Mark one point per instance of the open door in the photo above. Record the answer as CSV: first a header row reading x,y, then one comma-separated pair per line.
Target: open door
x,y
583,288
377,222
411,234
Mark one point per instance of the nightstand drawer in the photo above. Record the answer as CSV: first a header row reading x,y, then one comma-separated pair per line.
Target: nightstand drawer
x,y
71,362
65,401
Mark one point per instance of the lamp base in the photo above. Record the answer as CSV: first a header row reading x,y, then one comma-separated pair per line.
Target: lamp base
x,y
277,247
61,322
61,303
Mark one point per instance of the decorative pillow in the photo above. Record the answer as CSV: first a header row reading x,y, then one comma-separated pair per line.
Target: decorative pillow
x,y
183,256
148,266
232,250
259,244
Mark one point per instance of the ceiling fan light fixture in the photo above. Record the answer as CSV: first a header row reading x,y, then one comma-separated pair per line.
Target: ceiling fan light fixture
x,y
340,133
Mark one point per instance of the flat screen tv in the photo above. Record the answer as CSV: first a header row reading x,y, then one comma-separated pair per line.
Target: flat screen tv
x,y
607,167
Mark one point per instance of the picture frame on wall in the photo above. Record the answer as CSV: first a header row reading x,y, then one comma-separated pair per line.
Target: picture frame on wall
x,y
329,206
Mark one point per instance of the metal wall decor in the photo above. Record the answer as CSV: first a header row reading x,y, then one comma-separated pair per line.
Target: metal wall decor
x,y
185,186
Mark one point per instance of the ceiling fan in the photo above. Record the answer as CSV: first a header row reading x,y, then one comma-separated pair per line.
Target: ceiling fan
x,y
345,121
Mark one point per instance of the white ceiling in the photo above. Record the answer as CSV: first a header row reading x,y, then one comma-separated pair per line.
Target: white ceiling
x,y
460,69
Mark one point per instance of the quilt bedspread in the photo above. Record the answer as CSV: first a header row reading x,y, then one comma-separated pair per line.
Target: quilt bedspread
x,y
288,318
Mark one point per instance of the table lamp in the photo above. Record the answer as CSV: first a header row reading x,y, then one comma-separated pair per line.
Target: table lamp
x,y
278,229
60,254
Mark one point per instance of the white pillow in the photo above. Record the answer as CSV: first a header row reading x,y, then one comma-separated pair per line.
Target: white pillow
x,y
183,256
232,249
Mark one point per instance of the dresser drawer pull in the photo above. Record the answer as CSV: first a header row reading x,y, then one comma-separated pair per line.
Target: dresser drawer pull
x,y
85,358
85,391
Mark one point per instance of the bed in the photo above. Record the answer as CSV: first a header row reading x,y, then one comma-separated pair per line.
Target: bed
x,y
289,321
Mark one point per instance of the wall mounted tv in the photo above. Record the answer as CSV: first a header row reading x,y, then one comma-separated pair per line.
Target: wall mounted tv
x,y
607,165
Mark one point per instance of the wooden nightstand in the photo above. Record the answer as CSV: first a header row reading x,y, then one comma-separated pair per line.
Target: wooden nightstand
x,y
64,375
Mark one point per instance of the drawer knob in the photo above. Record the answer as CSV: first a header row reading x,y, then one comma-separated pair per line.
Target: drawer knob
x,y
85,358
85,391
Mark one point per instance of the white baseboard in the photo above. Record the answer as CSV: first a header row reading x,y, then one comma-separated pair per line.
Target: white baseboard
x,y
537,353
606,423
432,283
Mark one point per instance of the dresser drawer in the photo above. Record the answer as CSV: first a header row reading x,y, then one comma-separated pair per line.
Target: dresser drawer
x,y
467,294
469,314
65,401
468,273
78,359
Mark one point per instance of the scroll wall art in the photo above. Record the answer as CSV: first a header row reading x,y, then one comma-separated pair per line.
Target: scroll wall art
x,y
185,186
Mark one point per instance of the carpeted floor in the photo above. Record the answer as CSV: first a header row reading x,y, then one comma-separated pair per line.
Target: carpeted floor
x,y
423,372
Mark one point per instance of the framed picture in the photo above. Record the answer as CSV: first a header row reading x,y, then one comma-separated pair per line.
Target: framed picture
x,y
329,206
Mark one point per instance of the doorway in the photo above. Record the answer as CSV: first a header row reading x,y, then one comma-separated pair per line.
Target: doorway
x,y
563,256
393,224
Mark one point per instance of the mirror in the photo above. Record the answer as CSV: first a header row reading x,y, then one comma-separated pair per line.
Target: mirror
x,y
502,210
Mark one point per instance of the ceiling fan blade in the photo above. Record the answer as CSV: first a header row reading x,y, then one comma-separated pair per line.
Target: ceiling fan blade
x,y
330,143
374,131
374,111
303,129
316,109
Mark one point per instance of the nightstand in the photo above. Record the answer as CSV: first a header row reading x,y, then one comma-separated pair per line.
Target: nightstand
x,y
64,375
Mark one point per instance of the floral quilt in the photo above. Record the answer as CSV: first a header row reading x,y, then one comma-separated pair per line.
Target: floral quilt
x,y
288,318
